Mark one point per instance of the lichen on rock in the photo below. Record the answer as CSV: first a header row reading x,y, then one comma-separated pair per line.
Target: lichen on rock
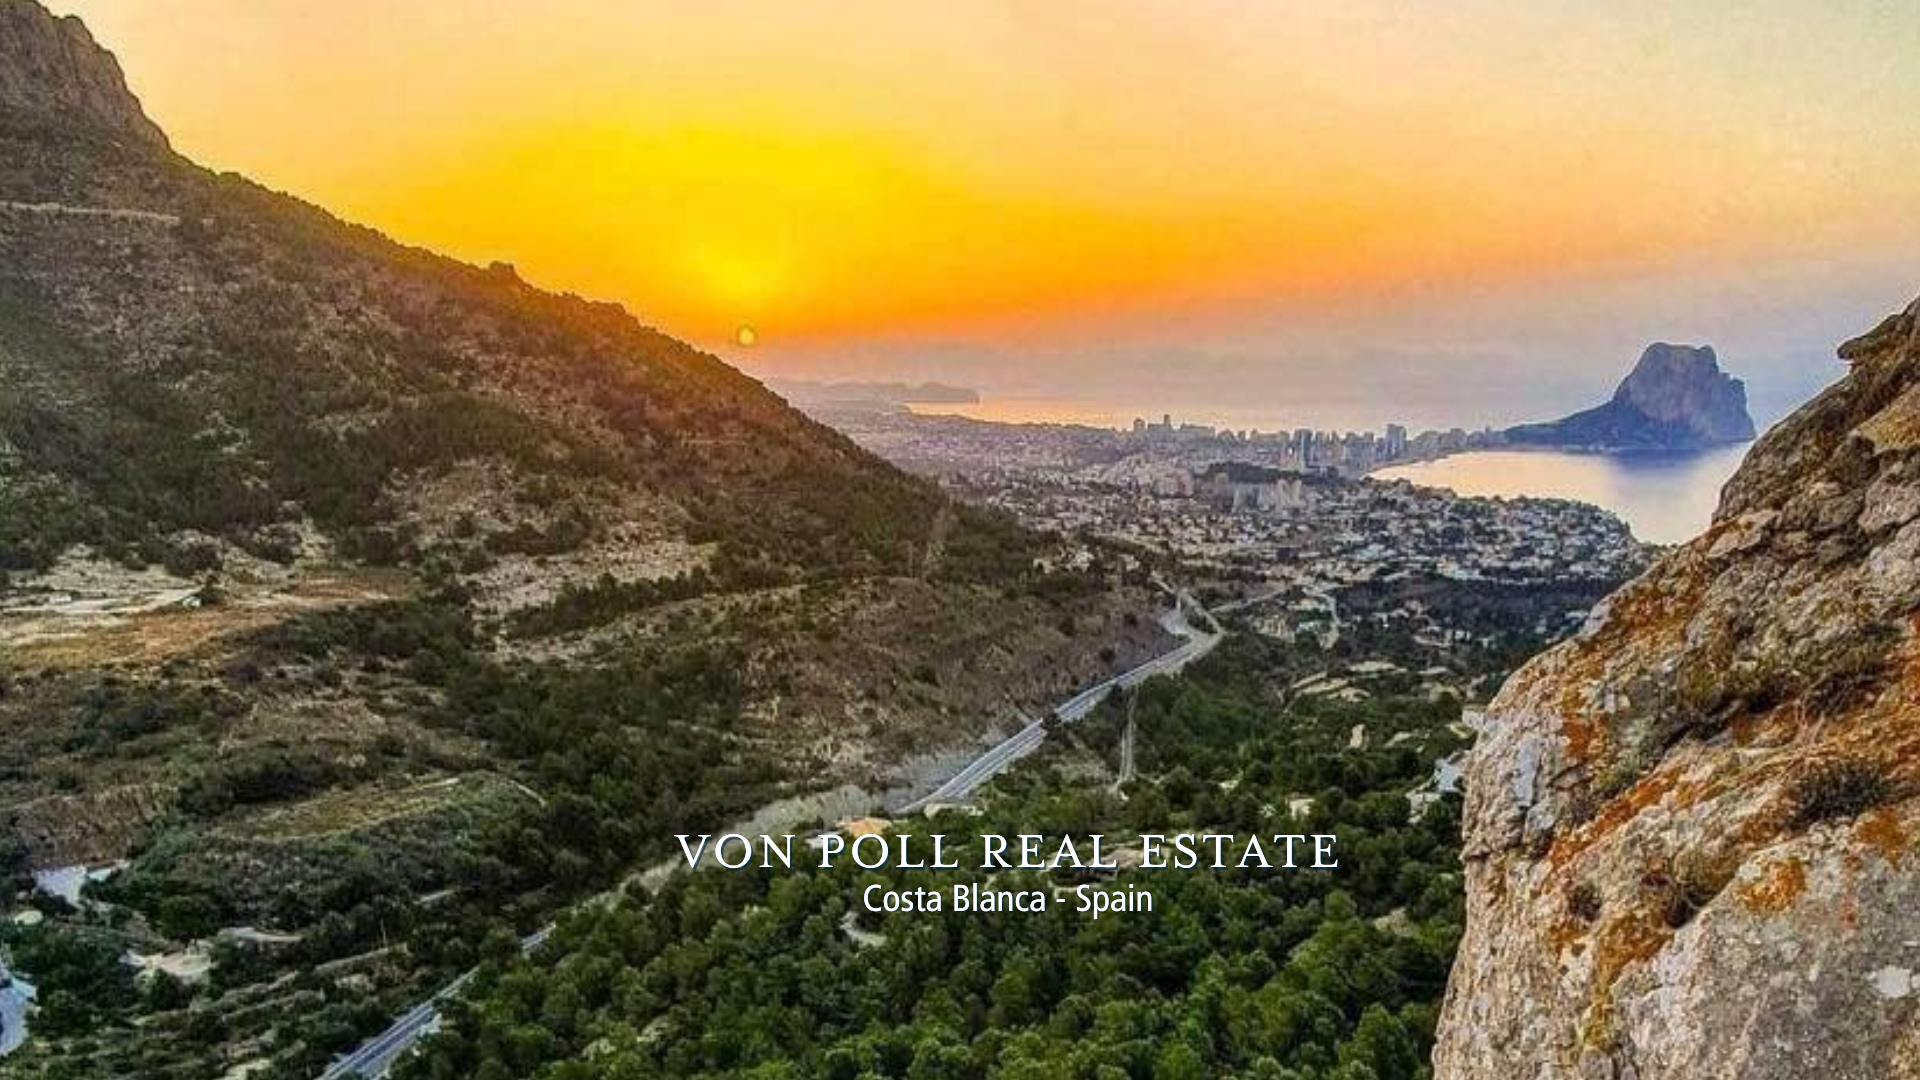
x,y
1691,829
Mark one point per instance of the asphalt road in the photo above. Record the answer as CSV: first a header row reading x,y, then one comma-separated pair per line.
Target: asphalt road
x,y
983,768
1028,739
373,1059
376,1056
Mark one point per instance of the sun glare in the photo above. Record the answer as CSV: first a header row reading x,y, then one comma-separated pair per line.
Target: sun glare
x,y
885,169
745,337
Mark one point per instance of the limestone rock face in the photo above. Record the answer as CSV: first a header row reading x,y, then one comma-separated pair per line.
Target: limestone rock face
x,y
1681,384
56,74
1693,831
1675,398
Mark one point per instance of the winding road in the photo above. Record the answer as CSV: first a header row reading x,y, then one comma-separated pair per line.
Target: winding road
x,y
374,1058
996,759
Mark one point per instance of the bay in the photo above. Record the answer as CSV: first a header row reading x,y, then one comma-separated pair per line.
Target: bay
x,y
1665,498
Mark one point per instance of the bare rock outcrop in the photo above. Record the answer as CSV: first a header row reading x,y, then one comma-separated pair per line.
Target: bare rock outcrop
x,y
92,827
1693,831
1683,384
1675,398
57,74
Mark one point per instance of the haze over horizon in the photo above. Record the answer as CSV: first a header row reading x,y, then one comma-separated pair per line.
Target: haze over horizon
x,y
1449,215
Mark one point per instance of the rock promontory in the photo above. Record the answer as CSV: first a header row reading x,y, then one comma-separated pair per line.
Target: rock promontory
x,y
1676,398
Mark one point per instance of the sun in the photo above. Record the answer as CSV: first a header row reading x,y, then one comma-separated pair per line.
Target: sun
x,y
745,337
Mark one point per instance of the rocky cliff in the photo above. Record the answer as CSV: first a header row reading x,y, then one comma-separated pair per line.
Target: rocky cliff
x,y
56,74
1691,830
1675,398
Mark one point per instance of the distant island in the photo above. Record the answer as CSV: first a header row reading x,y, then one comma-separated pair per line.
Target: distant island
x,y
873,393
1675,398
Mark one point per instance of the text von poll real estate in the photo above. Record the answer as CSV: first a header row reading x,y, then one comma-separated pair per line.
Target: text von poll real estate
x,y
1018,851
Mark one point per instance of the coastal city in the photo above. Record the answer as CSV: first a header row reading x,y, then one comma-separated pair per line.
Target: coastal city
x,y
1282,528
1158,454
1238,520
1156,541
1245,504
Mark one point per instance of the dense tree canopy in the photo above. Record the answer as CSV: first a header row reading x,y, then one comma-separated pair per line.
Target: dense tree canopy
x,y
1283,974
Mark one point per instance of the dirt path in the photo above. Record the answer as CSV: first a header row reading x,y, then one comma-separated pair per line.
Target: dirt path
x,y
52,209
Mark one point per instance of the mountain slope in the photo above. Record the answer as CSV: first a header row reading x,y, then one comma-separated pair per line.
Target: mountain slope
x,y
56,75
1693,832
1675,398
203,354
205,379
390,604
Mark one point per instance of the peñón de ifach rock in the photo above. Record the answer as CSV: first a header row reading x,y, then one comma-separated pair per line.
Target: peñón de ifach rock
x,y
1676,398
1691,831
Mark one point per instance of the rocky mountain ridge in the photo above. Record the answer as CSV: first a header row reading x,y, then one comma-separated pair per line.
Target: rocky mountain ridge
x,y
1693,831
1675,398
55,73
194,356
223,410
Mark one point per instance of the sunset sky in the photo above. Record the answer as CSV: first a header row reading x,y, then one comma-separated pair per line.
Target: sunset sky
x,y
1179,202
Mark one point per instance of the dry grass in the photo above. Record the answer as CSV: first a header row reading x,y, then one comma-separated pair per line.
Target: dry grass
x,y
86,642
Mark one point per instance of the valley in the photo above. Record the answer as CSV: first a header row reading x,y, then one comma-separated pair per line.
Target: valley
x,y
375,623
387,605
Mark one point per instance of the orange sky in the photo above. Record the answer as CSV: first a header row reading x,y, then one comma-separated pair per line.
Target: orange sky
x,y
836,171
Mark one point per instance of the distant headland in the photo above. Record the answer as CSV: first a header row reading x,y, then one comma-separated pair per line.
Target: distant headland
x,y
1675,398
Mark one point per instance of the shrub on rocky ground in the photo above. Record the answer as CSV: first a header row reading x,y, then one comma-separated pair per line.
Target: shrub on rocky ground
x,y
1838,789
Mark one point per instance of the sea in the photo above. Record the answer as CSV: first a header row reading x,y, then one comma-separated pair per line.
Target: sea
x,y
1665,498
